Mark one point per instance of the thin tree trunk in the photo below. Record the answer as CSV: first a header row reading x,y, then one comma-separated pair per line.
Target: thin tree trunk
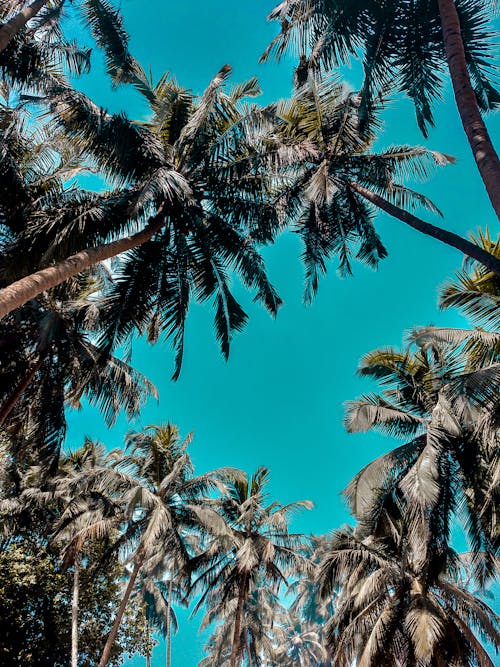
x,y
116,625
235,653
20,292
14,25
74,614
169,625
148,654
9,404
482,148
449,238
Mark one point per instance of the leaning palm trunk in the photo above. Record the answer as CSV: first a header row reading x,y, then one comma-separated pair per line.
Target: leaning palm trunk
x,y
12,27
11,401
74,615
20,292
484,153
449,238
236,651
106,654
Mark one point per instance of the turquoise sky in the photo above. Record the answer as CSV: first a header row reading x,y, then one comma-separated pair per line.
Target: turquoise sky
x,y
279,400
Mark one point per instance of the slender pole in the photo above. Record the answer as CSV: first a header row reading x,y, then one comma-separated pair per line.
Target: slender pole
x,y
169,625
480,142
18,293
14,25
449,238
74,614
116,625
148,654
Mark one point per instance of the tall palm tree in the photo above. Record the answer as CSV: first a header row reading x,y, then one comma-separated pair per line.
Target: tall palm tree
x,y
248,541
406,45
261,617
159,597
157,498
35,54
446,410
87,458
15,24
50,359
334,182
196,224
34,51
397,607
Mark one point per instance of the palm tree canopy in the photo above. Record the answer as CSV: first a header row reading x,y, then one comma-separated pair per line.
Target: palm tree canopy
x,y
401,45
448,409
390,612
321,151
191,166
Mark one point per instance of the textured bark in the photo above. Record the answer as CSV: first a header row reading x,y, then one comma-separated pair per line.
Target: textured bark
x,y
20,292
9,404
235,653
106,654
14,25
449,238
74,614
482,148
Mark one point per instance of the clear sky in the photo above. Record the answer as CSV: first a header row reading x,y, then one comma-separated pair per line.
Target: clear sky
x,y
279,400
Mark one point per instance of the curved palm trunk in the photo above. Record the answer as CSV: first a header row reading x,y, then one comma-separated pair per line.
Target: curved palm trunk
x,y
235,653
74,615
116,625
449,238
20,292
9,404
484,153
12,27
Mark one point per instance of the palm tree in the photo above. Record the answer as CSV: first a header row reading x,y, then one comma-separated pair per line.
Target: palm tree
x,y
303,625
476,291
194,220
156,498
35,54
40,19
86,459
12,26
261,617
159,596
405,45
299,644
398,607
447,409
248,541
50,360
333,182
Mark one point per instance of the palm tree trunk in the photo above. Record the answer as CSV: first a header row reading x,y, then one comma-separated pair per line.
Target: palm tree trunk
x,y
235,653
116,625
484,153
148,650
169,625
9,404
449,238
18,293
74,614
12,27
